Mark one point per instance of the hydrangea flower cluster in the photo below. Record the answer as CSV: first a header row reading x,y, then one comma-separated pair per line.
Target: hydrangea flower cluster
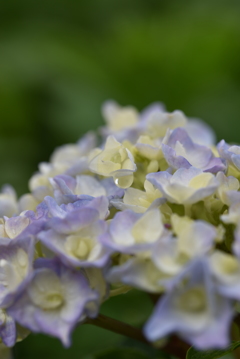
x,y
156,206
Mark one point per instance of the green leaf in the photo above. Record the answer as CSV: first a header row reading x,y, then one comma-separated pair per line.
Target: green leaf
x,y
211,354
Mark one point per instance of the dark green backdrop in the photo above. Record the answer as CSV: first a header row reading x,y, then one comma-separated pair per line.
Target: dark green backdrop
x,y
60,59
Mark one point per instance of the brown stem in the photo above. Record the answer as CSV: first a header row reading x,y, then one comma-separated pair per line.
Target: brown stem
x,y
154,297
235,336
174,346
118,327
237,320
177,347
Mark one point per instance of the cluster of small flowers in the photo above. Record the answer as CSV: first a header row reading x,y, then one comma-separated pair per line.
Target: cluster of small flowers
x,y
155,207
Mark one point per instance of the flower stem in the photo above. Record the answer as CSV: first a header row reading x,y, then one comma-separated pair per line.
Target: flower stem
x,y
118,327
154,297
175,346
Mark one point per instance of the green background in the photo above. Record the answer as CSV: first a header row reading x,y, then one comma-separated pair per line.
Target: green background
x,y
60,59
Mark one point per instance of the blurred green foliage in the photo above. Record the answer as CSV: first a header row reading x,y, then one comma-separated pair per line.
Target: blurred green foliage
x,y
60,59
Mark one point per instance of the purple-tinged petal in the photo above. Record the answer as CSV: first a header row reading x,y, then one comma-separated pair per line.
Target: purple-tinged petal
x,y
172,159
80,249
223,148
131,232
16,259
230,153
66,184
74,221
97,281
8,331
67,189
81,166
181,152
138,272
54,209
226,271
90,186
64,187
34,228
167,257
236,243
236,159
54,301
185,186
99,204
15,225
200,132
87,142
121,225
158,123
151,110
159,179
194,310
111,189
